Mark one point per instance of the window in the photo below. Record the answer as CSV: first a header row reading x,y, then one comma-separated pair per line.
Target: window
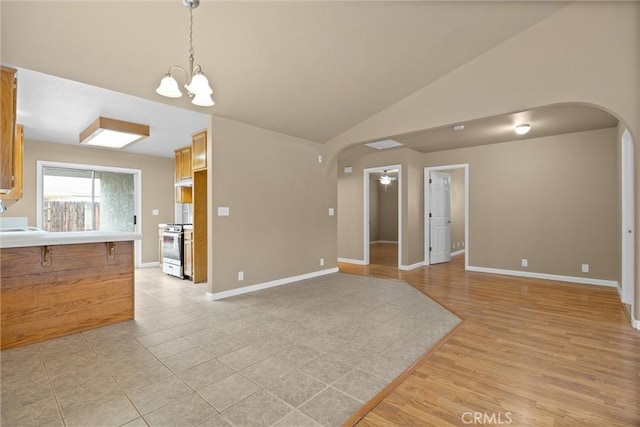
x,y
86,198
71,199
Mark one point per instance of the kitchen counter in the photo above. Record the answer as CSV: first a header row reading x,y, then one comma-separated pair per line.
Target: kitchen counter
x,y
56,284
35,237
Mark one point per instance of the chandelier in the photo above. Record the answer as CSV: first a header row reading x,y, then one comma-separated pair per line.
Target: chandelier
x,y
197,84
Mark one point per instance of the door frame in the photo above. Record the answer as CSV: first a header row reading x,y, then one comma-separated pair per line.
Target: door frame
x,y
427,205
627,282
367,189
137,188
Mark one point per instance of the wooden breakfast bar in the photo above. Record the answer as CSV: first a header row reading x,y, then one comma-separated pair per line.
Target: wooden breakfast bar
x,y
56,284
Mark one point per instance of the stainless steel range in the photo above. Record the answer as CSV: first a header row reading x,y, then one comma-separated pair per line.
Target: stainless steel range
x,y
172,250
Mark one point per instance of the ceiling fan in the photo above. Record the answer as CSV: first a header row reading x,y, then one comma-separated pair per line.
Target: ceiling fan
x,y
385,179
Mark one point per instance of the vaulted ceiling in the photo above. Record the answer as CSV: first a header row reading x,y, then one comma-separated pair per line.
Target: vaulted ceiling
x,y
307,69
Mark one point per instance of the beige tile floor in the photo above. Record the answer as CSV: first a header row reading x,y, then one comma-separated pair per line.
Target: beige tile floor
x,y
304,354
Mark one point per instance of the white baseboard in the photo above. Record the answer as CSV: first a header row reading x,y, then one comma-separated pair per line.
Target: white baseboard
x,y
384,241
271,284
460,252
635,323
571,279
352,261
411,267
149,264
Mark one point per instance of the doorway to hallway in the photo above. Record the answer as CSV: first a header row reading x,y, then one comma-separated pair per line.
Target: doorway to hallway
x,y
382,215
446,213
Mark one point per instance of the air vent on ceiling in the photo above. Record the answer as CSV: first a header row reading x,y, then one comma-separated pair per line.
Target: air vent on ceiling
x,y
387,143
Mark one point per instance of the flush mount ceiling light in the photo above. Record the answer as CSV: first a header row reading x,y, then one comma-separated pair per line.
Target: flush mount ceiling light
x,y
523,129
197,84
458,127
112,133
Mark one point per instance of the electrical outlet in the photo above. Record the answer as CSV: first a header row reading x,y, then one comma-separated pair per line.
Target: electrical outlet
x,y
332,211
155,212
525,262
585,268
223,211
319,159
321,262
240,276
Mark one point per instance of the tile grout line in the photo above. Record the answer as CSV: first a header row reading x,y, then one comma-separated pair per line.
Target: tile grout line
x,y
102,363
53,391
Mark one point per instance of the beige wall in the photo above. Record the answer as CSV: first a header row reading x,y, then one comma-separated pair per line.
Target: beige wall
x,y
636,147
350,197
157,184
279,201
413,205
550,200
457,209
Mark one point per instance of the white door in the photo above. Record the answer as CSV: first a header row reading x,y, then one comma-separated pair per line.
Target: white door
x,y
439,217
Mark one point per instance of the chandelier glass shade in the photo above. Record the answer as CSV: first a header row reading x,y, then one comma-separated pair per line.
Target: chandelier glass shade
x,y
197,86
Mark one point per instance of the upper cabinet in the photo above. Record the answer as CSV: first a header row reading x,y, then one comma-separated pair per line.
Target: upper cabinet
x,y
199,153
182,172
8,117
185,158
18,154
11,143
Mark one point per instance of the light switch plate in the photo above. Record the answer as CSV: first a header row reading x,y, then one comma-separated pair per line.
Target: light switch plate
x,y
223,211
332,212
348,169
155,212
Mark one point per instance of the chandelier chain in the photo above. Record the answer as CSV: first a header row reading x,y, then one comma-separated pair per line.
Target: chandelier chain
x,y
191,33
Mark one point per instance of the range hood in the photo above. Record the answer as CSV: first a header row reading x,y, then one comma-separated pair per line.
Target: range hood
x,y
184,183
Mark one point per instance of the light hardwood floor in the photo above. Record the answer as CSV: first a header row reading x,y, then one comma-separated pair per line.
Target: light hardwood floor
x,y
529,353
383,254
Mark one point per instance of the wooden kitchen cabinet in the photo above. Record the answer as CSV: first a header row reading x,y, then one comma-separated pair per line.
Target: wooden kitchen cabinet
x,y
8,96
199,243
199,150
15,192
188,253
183,171
186,162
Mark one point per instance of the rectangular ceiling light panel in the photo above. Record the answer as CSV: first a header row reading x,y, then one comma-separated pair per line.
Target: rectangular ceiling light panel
x,y
112,133
387,143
